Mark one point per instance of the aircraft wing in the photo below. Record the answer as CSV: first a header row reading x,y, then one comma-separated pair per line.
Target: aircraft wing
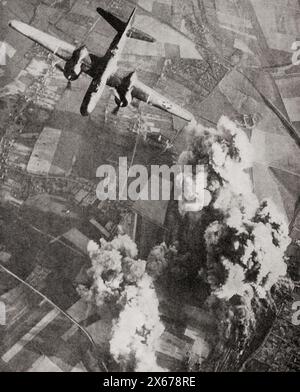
x,y
55,45
147,94
120,26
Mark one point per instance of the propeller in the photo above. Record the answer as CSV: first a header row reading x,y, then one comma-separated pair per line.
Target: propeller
x,y
61,69
126,89
69,85
116,110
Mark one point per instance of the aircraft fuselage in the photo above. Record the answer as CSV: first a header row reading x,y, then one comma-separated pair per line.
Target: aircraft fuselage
x,y
102,76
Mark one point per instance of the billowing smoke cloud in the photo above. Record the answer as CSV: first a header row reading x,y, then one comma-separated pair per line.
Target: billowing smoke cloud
x,y
245,239
118,277
247,254
246,245
138,328
157,261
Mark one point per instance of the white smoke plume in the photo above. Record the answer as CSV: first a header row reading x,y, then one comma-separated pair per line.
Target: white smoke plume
x,y
246,239
247,244
138,328
196,196
119,277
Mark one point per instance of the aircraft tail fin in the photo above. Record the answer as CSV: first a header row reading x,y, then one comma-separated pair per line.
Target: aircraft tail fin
x,y
121,26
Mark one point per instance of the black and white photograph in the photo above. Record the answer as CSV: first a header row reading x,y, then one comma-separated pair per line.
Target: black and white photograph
x,y
149,188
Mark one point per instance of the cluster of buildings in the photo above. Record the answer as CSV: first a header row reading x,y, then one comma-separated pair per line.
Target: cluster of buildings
x,y
280,350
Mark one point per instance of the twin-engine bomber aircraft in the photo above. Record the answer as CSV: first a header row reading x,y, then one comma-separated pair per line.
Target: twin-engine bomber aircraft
x,y
103,70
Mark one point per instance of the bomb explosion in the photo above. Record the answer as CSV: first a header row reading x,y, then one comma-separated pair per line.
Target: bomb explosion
x,y
245,243
120,281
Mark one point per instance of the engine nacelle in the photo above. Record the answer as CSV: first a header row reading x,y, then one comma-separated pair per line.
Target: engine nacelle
x,y
73,67
124,91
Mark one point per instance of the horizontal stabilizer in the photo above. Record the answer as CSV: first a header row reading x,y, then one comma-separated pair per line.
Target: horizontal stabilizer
x,y
115,22
121,26
139,34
